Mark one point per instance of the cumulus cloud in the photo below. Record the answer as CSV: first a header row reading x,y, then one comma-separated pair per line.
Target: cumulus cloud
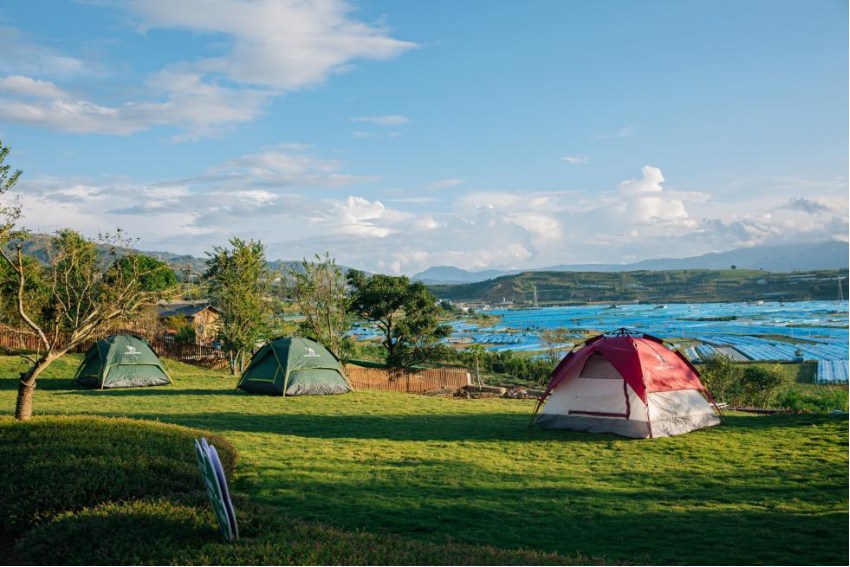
x,y
646,201
289,198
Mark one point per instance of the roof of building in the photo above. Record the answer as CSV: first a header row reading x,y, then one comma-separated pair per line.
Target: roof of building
x,y
185,308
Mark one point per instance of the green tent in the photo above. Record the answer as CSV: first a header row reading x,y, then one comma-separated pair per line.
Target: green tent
x,y
294,367
121,361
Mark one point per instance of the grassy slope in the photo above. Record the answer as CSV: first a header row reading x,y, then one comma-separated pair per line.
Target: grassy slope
x,y
763,489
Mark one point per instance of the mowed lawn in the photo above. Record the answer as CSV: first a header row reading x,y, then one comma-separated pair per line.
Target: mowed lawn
x,y
762,489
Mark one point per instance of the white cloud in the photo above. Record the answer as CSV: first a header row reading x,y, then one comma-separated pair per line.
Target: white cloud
x,y
286,44
21,55
28,87
578,159
444,184
359,216
270,48
384,120
280,197
650,182
197,107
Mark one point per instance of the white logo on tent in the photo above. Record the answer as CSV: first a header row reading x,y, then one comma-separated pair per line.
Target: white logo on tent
x,y
663,365
131,350
311,353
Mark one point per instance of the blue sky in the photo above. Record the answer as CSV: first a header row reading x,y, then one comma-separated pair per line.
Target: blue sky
x,y
402,135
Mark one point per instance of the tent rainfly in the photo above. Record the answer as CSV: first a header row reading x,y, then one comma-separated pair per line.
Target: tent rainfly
x,y
294,367
121,361
626,383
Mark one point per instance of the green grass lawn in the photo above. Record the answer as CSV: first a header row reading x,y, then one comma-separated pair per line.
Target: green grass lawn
x,y
762,489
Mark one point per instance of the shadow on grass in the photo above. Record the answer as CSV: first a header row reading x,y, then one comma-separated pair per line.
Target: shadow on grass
x,y
445,427
143,392
47,384
667,516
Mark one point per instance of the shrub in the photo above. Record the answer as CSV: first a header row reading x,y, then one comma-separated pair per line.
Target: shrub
x,y
182,531
759,385
54,464
723,379
741,384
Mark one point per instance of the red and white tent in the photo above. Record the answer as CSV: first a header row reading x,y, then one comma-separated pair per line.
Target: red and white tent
x,y
626,383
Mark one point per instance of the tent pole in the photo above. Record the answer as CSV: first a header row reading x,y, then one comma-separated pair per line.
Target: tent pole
x,y
648,421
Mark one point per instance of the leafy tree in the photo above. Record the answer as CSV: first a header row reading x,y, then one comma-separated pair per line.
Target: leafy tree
x,y
184,331
406,312
318,289
240,282
77,295
157,274
10,212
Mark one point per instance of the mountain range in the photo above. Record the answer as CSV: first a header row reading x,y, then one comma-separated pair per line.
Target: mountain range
x,y
827,255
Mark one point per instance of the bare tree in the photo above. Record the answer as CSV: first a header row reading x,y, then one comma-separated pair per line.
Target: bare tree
x,y
555,340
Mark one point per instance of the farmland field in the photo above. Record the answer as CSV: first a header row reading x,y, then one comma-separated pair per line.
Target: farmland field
x,y
762,489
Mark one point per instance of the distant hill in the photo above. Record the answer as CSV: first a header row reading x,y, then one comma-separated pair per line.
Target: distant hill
x,y
451,274
35,246
830,255
669,286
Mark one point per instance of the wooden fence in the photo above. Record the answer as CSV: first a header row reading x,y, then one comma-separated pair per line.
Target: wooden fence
x,y
16,341
415,382
189,353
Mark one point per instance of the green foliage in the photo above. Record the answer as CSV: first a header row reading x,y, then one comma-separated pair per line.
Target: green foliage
x,y
239,284
153,275
760,385
35,291
80,289
507,362
318,289
9,213
184,330
405,312
722,377
742,385
8,177
58,464
432,470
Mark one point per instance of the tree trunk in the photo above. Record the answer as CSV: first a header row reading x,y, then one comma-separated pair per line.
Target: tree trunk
x,y
26,387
